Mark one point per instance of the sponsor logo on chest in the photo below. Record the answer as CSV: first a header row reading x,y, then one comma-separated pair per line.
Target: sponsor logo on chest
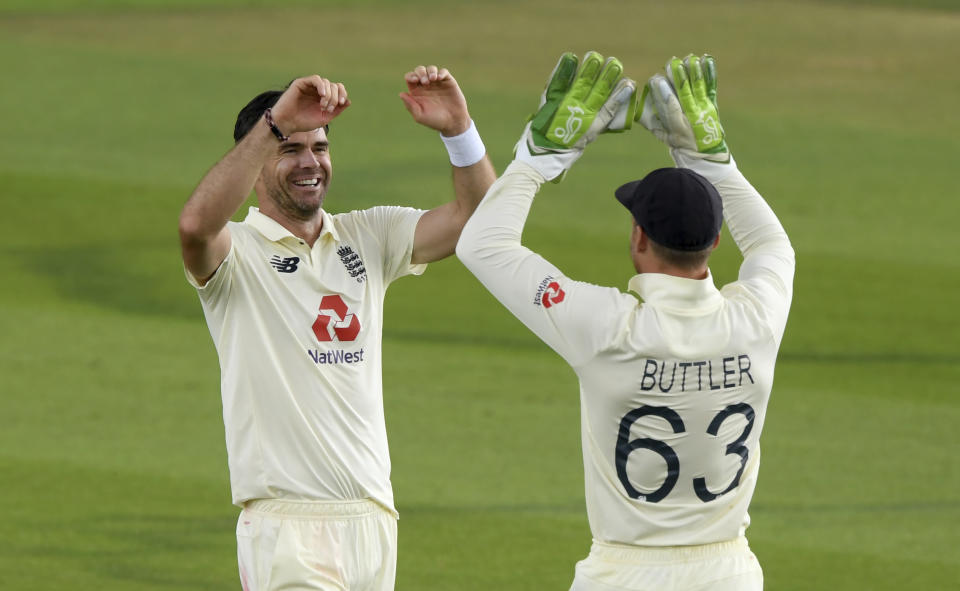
x,y
335,322
284,264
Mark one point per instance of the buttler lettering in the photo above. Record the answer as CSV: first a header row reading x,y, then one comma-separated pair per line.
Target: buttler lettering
x,y
687,376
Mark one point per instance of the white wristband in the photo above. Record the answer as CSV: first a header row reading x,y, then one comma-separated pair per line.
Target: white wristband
x,y
465,149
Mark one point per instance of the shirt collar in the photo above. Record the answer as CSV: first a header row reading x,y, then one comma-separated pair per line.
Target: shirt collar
x,y
670,291
273,231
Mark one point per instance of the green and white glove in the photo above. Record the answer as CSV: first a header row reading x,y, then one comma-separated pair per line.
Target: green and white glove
x,y
680,109
579,102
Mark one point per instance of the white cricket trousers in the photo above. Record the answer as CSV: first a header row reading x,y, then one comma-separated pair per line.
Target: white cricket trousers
x,y
317,546
724,566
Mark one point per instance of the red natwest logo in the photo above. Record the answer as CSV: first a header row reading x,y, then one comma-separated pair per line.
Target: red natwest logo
x,y
552,295
335,315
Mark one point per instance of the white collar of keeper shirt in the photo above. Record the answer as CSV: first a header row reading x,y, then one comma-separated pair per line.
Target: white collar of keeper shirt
x,y
273,231
676,294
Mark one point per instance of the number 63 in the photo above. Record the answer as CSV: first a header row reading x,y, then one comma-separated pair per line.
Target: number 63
x,y
625,446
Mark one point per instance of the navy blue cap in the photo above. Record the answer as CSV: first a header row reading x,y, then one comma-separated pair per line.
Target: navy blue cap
x,y
676,207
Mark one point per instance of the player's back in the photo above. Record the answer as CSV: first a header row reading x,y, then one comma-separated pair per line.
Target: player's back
x,y
672,412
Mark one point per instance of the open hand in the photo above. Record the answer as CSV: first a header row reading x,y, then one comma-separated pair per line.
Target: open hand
x,y
434,99
309,103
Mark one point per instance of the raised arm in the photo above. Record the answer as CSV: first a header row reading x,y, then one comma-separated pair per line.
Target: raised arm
x,y
307,104
680,108
579,103
434,100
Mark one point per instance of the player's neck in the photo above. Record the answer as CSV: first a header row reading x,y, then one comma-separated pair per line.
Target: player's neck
x,y
655,265
307,230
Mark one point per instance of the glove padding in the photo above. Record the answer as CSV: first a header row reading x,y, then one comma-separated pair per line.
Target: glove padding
x,y
576,106
680,109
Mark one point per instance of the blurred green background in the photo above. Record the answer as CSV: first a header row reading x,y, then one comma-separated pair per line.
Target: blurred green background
x,y
112,463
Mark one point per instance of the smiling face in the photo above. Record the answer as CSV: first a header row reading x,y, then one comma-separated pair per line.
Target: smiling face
x,y
295,178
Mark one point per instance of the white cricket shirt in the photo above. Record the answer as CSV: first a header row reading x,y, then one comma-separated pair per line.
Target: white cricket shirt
x,y
298,333
673,386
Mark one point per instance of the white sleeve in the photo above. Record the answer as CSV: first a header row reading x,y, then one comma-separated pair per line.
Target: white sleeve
x,y
218,286
768,257
575,319
393,228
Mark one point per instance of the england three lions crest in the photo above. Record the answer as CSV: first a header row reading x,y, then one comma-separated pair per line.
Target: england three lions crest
x,y
352,263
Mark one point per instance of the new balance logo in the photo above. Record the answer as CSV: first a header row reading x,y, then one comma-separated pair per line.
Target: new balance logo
x,y
284,265
352,263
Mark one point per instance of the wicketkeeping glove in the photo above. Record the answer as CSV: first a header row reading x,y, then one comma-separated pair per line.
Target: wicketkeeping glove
x,y
680,109
577,105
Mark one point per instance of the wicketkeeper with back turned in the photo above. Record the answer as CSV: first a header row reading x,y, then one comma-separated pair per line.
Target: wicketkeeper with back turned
x,y
675,375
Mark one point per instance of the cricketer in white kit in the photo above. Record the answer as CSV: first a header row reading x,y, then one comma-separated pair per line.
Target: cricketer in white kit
x,y
293,297
675,376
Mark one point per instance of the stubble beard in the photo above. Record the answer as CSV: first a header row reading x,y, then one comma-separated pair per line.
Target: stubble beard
x,y
298,210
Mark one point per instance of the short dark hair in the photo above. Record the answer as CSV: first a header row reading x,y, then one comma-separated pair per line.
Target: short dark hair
x,y
253,111
687,260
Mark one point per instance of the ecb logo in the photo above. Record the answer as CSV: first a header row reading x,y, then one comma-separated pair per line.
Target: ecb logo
x,y
335,322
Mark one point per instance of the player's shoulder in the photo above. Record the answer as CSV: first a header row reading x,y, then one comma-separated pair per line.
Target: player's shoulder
x,y
606,306
352,221
376,211
242,234
377,219
741,295
750,303
759,293
242,226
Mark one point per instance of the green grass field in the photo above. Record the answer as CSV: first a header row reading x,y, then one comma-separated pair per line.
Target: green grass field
x,y
112,463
